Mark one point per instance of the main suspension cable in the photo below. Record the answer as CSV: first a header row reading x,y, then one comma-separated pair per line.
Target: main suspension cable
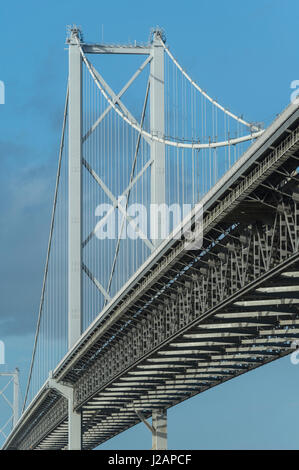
x,y
214,102
162,140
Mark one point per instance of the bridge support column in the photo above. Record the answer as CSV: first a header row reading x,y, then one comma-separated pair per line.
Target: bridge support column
x,y
159,437
157,123
158,428
74,426
74,418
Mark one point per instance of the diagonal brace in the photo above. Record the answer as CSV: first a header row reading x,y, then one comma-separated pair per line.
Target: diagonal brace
x,y
147,424
116,98
116,203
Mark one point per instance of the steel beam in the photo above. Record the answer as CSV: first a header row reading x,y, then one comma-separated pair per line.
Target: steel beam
x,y
115,49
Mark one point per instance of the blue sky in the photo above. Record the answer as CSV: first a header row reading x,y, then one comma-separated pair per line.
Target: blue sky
x,y
243,53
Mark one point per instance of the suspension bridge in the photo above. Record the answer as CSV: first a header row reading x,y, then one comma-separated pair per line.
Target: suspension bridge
x,y
172,261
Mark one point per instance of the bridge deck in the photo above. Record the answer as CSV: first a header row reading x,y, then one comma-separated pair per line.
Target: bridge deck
x,y
190,320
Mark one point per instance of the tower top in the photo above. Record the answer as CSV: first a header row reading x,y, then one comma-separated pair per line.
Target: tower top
x,y
157,33
74,33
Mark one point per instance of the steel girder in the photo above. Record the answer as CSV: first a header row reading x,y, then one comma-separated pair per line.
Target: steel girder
x,y
208,316
185,342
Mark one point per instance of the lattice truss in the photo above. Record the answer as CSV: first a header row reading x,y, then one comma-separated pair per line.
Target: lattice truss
x,y
201,141
208,282
200,350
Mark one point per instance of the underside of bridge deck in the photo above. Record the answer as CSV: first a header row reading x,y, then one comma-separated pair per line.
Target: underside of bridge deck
x,y
197,318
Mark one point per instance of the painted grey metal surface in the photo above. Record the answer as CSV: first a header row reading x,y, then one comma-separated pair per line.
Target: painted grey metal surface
x,y
218,319
115,49
74,417
157,122
287,119
290,116
75,192
75,220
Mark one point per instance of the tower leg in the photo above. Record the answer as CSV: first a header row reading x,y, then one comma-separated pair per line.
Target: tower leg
x,y
75,190
157,122
75,220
